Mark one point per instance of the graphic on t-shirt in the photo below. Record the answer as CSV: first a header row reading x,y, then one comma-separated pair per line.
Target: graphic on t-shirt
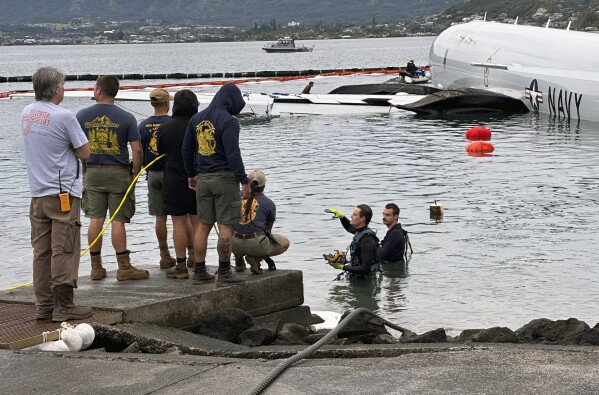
x,y
246,219
102,136
205,138
153,144
35,117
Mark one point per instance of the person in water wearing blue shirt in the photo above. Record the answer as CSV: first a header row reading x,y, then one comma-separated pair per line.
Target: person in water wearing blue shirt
x,y
252,237
393,245
363,247
214,168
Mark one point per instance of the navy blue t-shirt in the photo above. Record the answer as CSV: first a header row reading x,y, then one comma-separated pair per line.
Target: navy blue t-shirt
x,y
148,130
262,213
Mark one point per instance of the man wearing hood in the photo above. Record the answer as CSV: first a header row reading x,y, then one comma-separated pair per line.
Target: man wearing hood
x,y
178,200
214,168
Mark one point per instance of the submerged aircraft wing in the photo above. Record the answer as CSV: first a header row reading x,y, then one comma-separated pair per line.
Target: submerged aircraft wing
x,y
490,66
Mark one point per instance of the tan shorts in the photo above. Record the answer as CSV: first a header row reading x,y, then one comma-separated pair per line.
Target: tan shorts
x,y
104,189
218,198
155,203
258,246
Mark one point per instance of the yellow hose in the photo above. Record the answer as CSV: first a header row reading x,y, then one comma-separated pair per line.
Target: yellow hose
x,y
106,226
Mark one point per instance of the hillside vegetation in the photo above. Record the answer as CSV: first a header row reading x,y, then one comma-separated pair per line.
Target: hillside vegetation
x,y
223,12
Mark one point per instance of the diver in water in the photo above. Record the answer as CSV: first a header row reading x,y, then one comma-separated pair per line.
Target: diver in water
x,y
364,245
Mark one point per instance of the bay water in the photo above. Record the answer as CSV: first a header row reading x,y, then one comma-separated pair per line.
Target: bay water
x,y
518,238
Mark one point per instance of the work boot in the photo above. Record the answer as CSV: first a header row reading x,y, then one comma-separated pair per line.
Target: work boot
x,y
226,277
179,271
239,263
166,260
254,263
201,276
45,312
127,271
98,272
66,309
270,263
190,257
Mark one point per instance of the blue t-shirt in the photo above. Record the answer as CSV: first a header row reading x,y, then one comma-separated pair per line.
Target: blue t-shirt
x,y
261,213
148,130
108,128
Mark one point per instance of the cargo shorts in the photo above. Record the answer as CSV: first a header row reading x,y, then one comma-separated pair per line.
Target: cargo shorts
x,y
104,189
218,198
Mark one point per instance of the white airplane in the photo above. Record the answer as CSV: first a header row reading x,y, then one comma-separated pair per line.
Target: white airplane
x,y
551,70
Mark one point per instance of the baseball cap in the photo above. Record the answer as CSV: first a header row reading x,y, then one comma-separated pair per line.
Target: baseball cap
x,y
258,177
159,96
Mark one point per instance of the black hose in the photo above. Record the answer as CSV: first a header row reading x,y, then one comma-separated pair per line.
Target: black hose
x,y
280,368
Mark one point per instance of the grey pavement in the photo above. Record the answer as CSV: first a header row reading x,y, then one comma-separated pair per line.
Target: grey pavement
x,y
424,369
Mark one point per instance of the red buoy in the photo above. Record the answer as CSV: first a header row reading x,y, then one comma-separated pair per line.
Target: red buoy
x,y
478,133
479,148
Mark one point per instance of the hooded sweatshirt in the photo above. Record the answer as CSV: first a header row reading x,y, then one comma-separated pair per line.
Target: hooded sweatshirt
x,y
169,141
211,140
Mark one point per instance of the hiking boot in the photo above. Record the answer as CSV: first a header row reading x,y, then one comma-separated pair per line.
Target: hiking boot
x,y
225,277
254,263
166,260
270,263
239,263
66,309
201,276
127,271
179,271
44,313
98,272
190,257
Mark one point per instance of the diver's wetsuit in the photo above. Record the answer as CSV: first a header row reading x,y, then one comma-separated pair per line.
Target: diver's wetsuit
x,y
393,245
364,255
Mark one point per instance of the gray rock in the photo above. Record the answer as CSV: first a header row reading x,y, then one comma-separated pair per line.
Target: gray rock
x,y
529,333
387,339
467,335
131,348
362,324
496,335
591,337
226,324
291,334
564,332
435,336
174,350
259,335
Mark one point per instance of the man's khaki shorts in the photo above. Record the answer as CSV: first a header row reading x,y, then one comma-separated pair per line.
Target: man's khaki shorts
x,y
104,189
155,203
218,198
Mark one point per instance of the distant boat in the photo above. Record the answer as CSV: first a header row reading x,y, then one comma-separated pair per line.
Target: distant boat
x,y
287,44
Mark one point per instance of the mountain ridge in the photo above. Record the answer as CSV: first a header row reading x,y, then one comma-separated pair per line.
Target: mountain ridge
x,y
223,12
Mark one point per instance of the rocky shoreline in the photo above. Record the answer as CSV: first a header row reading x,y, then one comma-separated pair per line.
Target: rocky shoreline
x,y
232,331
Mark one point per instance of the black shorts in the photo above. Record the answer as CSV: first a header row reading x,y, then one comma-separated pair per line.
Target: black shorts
x,y
178,209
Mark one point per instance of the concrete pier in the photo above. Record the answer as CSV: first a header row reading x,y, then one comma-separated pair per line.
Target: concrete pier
x,y
159,301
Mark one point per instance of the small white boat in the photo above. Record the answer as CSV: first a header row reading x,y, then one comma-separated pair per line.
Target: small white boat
x,y
286,44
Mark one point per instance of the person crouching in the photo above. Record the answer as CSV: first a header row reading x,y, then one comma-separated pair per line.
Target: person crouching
x,y
252,238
